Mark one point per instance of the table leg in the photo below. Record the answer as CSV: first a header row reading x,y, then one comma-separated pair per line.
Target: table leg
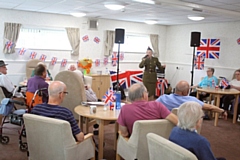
x,y
216,114
115,136
100,139
235,108
86,122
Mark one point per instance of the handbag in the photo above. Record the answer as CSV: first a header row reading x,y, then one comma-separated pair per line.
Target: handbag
x,y
6,106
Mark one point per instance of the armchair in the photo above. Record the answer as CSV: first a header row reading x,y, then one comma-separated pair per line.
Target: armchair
x,y
167,150
30,66
136,146
50,138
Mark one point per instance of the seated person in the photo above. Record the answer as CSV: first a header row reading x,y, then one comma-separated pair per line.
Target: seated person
x,y
48,75
181,96
141,109
91,96
206,82
38,82
189,120
57,92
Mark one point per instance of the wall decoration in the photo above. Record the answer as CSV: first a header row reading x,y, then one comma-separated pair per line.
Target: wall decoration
x,y
96,40
33,55
85,38
53,61
43,57
105,61
97,62
121,56
199,62
114,59
64,63
209,48
238,41
22,51
9,44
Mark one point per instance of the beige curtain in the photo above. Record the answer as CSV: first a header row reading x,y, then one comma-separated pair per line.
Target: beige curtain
x,y
109,42
74,39
11,33
154,42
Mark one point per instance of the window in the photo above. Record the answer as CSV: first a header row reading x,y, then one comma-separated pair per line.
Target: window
x,y
134,43
46,39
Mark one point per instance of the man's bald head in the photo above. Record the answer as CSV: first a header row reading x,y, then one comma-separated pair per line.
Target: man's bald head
x,y
55,88
136,92
182,88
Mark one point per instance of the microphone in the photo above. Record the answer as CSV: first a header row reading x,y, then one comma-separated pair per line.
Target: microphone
x,y
145,56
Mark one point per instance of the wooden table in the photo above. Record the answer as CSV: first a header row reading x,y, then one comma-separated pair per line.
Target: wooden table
x,y
103,117
218,93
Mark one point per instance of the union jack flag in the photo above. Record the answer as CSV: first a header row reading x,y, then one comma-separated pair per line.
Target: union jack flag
x,y
121,56
43,57
224,83
22,51
209,48
162,84
97,62
108,97
105,61
114,59
64,63
238,40
127,78
199,62
33,55
9,44
96,39
53,61
85,38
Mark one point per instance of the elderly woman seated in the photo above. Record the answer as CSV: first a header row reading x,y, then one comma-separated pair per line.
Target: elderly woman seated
x,y
48,75
189,120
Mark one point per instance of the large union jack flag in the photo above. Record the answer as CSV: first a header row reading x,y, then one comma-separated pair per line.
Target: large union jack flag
x,y
108,97
209,48
53,61
43,57
199,62
64,63
33,55
224,83
127,78
114,59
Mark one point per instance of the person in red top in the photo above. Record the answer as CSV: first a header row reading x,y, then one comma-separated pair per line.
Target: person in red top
x,y
141,109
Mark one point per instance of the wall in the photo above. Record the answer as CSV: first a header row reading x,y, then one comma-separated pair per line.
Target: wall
x,y
16,68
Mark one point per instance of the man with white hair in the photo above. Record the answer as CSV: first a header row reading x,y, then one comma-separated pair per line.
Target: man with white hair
x,y
189,120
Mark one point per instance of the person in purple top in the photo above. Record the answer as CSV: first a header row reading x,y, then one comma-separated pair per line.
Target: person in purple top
x,y
38,82
141,109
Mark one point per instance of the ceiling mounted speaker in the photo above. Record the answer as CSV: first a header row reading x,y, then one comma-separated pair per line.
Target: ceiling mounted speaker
x,y
93,24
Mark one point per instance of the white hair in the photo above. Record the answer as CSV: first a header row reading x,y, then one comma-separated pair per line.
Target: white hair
x,y
71,66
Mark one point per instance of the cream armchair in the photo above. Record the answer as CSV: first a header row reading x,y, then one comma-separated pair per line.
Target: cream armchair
x,y
30,66
167,150
136,146
75,87
50,138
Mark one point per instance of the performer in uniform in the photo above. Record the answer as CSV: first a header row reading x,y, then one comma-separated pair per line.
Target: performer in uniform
x,y
150,74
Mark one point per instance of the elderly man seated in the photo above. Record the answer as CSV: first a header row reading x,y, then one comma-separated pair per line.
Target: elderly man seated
x,y
57,92
141,109
189,120
181,95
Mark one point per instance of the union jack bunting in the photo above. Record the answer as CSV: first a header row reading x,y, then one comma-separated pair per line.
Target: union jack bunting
x,y
9,44
97,62
53,61
64,63
238,41
209,48
85,38
199,62
114,59
22,51
96,40
108,97
105,61
121,56
162,84
43,57
224,83
33,55
127,78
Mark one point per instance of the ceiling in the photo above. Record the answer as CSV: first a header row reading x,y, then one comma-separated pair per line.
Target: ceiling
x,y
166,12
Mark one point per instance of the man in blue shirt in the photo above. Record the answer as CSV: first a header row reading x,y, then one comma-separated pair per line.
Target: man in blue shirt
x,y
57,92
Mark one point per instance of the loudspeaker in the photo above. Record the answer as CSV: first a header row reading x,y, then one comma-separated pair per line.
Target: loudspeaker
x,y
119,35
195,39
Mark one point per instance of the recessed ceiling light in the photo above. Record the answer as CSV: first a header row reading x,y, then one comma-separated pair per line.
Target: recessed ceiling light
x,y
114,5
145,1
78,14
151,21
196,18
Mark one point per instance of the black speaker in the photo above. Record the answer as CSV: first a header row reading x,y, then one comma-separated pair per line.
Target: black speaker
x,y
119,35
195,39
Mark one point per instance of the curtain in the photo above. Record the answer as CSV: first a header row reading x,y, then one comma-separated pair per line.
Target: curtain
x,y
74,39
108,44
154,42
11,33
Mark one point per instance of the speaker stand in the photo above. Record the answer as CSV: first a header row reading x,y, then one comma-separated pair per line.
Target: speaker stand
x,y
118,85
192,72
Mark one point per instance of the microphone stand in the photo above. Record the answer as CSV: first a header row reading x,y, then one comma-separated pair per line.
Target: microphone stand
x,y
118,85
192,72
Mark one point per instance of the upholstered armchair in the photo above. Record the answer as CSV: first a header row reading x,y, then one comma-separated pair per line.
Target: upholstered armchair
x,y
50,138
30,66
167,150
75,87
136,146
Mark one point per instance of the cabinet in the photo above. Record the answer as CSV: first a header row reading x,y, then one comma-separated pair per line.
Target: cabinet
x,y
100,84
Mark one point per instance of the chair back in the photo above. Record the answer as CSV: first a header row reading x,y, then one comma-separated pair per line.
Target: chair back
x,y
47,138
162,147
30,66
75,88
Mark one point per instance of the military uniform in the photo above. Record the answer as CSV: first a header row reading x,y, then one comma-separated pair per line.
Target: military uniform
x,y
150,74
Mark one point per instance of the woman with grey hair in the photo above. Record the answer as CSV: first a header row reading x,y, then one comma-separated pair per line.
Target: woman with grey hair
x,y
185,134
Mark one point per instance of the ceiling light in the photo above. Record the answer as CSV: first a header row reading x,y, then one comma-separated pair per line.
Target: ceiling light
x,y
196,18
78,14
145,1
151,21
114,5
